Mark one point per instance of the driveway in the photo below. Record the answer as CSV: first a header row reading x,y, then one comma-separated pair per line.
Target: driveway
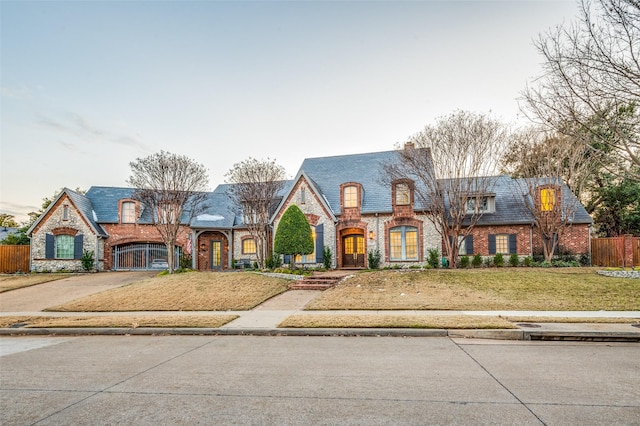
x,y
54,293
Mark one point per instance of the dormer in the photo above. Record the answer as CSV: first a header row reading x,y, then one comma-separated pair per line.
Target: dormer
x,y
402,197
128,210
548,198
481,203
350,196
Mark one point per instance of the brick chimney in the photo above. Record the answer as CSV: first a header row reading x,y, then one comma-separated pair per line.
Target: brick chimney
x,y
409,145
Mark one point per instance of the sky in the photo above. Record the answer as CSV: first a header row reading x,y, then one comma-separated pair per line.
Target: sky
x,y
88,87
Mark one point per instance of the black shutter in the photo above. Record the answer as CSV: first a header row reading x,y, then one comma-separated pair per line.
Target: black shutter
x,y
49,246
492,244
468,244
513,244
319,243
287,259
77,247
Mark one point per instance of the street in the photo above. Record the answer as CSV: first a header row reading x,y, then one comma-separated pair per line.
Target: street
x,y
140,380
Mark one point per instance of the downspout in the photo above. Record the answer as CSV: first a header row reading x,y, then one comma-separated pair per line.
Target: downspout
x,y
531,240
194,250
97,258
377,232
30,257
589,248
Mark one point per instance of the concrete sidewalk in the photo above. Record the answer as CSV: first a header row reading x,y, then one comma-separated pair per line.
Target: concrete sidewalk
x,y
265,318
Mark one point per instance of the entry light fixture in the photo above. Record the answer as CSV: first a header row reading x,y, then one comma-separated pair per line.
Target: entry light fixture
x,y
372,235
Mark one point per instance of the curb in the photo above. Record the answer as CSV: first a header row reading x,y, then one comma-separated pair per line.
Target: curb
x,y
498,334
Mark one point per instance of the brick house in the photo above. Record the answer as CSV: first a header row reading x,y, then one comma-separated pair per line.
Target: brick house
x,y
349,205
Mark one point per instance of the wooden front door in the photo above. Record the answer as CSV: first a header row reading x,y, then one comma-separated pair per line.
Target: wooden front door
x,y
353,251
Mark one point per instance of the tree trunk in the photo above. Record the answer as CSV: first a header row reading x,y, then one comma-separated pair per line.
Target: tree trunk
x,y
170,257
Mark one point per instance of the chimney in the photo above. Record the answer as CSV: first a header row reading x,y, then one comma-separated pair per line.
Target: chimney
x,y
409,145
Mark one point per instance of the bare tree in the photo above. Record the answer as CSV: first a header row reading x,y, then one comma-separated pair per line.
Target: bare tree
x,y
541,190
453,164
255,185
591,77
173,187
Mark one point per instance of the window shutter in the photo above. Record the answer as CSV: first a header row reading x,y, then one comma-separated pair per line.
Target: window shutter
x,y
77,246
492,244
49,246
513,244
468,244
287,259
319,243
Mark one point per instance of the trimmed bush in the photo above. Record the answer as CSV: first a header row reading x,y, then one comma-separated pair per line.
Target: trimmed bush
x,y
464,262
374,258
514,260
434,258
476,262
87,260
498,260
528,261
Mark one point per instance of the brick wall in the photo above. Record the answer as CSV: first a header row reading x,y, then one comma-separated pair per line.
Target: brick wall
x,y
202,250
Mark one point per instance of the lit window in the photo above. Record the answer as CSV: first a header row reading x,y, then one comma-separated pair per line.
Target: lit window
x,y
64,247
502,243
249,246
403,243
308,258
403,195
351,196
547,199
128,212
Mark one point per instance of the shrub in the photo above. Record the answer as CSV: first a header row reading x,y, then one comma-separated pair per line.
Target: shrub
x,y
498,260
514,260
327,257
585,259
87,260
185,261
273,262
374,258
528,261
488,261
464,262
434,258
476,261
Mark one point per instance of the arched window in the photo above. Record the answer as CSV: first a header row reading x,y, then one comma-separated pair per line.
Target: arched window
x,y
403,194
128,214
350,196
403,243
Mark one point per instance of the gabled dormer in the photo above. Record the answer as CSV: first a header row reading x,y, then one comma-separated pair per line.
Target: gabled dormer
x,y
481,203
402,197
351,194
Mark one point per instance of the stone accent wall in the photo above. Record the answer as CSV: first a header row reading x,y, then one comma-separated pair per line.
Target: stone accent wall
x,y
238,236
313,208
56,224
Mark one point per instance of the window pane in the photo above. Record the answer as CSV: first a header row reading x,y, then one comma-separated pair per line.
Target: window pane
x,y
128,212
351,196
249,246
547,199
64,247
395,244
411,249
402,194
502,244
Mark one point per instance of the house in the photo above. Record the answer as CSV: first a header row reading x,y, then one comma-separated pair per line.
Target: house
x,y
351,207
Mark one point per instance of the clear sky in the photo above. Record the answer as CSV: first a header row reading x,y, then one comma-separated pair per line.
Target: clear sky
x,y
89,86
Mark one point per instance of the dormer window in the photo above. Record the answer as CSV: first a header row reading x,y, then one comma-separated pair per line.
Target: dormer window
x,y
480,204
547,199
350,196
128,213
403,194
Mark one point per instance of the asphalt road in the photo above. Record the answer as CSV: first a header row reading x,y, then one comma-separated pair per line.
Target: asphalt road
x,y
151,380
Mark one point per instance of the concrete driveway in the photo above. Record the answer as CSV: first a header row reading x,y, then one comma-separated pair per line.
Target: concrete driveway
x,y
42,296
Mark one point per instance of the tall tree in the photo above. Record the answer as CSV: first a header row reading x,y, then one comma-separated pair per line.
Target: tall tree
x,y
255,186
619,210
592,71
173,187
8,220
453,164
541,189
293,235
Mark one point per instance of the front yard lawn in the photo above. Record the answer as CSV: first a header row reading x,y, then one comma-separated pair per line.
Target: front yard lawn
x,y
192,291
396,321
127,321
534,289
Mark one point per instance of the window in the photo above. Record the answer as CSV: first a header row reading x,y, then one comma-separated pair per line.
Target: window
x,y
351,196
65,212
480,205
503,243
249,246
128,214
64,246
303,195
308,258
403,194
547,199
403,243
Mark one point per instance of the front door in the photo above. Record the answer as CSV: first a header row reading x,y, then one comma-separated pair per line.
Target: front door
x,y
216,254
353,251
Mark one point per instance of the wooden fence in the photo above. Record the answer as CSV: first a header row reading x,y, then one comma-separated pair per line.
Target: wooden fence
x,y
14,259
623,251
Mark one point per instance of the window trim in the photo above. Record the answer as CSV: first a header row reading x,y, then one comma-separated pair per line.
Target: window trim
x,y
487,200
70,246
353,198
547,199
246,241
402,189
122,211
404,230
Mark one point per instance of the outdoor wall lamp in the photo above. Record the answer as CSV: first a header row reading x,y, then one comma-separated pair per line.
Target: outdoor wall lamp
x,y
372,235
203,246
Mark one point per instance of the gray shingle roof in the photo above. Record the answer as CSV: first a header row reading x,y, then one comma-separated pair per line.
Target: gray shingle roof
x,y
328,173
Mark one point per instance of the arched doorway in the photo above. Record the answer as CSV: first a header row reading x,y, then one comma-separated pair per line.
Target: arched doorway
x,y
353,251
